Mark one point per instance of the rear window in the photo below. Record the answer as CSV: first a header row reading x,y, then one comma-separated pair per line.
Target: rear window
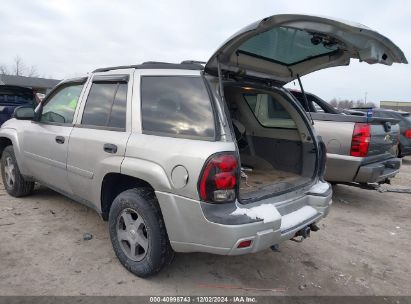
x,y
269,112
11,96
106,105
274,45
176,106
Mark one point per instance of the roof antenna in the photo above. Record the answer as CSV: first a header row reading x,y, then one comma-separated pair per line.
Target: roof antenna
x,y
305,98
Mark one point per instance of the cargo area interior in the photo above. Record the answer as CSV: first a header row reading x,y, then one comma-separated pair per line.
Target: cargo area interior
x,y
276,149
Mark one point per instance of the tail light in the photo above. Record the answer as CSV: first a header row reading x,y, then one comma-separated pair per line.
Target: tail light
x,y
407,133
218,180
360,142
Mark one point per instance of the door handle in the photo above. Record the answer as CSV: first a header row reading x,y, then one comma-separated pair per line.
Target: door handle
x,y
110,148
60,139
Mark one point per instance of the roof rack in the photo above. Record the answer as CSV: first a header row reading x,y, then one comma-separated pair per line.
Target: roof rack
x,y
156,65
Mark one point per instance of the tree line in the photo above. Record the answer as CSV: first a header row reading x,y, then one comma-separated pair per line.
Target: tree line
x,y
19,68
347,104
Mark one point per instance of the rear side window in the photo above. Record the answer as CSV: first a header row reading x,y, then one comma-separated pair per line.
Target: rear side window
x,y
106,105
15,96
176,106
269,112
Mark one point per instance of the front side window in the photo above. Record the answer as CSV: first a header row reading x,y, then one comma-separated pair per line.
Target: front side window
x,y
176,106
61,106
269,112
106,105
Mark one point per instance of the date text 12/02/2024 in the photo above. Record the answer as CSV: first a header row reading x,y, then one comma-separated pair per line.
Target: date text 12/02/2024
x,y
203,299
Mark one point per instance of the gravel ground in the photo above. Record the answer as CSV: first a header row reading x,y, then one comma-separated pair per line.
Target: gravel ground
x,y
363,248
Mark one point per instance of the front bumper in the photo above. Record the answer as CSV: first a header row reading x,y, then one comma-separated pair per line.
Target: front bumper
x,y
193,228
379,171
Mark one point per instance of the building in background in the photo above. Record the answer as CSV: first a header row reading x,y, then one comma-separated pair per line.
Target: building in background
x,y
396,105
39,85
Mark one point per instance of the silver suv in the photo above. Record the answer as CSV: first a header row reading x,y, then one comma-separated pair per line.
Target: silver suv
x,y
191,158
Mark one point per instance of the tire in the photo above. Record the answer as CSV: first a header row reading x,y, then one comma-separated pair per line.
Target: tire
x,y
399,154
135,221
13,181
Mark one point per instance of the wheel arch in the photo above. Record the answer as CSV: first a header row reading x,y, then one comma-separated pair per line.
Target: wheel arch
x,y
9,137
4,142
115,183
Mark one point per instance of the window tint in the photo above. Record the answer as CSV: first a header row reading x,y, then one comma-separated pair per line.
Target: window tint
x,y
269,112
176,105
118,112
287,46
61,106
106,105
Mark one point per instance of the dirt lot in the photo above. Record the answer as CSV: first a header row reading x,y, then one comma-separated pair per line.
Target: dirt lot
x,y
363,248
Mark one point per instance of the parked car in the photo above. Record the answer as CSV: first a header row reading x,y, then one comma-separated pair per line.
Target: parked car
x,y
12,97
183,157
404,144
359,149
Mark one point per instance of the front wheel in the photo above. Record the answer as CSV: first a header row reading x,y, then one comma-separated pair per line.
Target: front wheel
x,y
13,181
138,233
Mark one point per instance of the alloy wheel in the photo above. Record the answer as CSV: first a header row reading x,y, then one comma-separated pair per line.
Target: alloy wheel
x,y
132,234
9,172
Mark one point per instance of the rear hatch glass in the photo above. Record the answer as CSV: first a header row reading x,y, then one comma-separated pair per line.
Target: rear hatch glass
x,y
15,95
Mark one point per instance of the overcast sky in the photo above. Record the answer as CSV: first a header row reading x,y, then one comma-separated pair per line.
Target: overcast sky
x,y
69,38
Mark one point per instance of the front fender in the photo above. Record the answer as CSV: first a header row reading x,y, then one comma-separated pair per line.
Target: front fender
x,y
12,135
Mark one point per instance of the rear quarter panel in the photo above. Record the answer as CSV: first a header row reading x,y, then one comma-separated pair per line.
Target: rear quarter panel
x,y
153,158
336,135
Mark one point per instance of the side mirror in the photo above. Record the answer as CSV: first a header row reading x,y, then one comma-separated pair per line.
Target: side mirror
x,y
24,113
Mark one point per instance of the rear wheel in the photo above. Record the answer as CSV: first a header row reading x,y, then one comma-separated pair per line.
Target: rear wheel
x,y
138,233
13,181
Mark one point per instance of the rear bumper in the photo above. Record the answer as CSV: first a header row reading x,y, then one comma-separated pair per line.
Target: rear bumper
x,y
193,228
379,171
349,169
405,150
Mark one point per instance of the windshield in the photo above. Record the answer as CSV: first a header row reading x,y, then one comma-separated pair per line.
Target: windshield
x,y
288,46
